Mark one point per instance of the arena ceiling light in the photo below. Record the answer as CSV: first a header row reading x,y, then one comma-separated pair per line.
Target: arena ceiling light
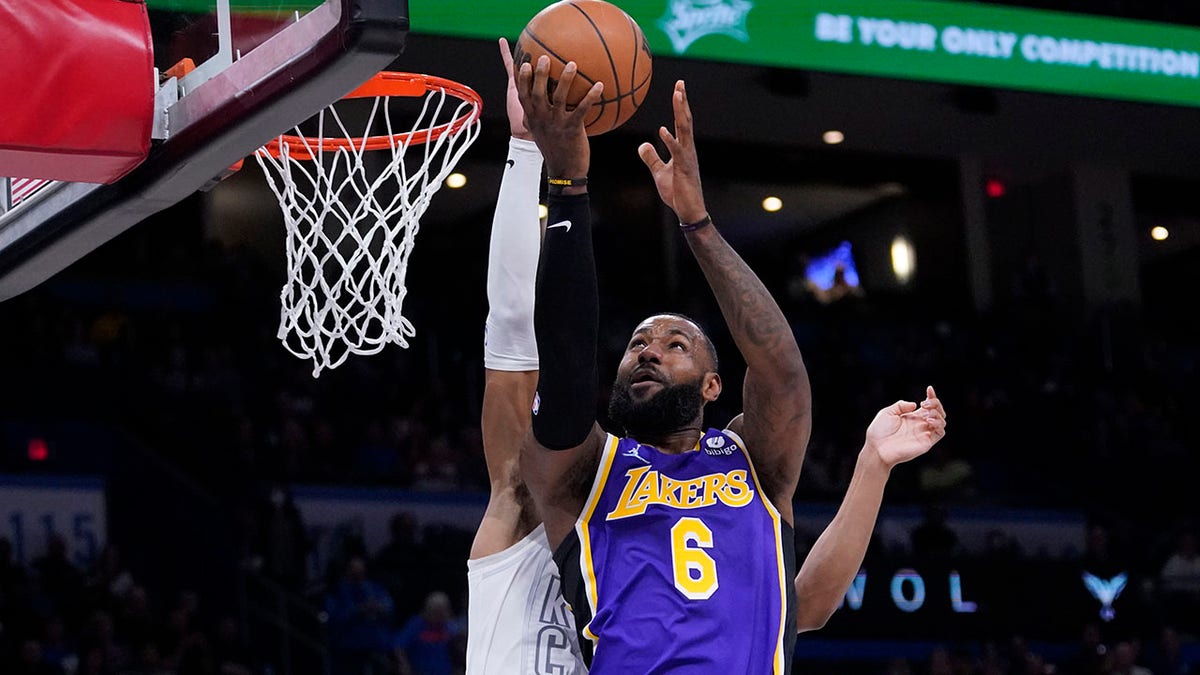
x,y
1159,233
456,180
904,259
772,204
833,137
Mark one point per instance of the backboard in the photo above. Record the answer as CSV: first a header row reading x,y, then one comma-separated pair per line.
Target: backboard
x,y
258,67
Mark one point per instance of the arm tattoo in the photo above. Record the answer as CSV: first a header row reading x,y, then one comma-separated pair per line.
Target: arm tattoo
x,y
759,328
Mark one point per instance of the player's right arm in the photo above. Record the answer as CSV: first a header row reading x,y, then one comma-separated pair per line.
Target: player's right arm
x,y
510,353
899,433
567,306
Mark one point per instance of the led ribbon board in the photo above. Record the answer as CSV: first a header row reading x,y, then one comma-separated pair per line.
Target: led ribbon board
x,y
954,42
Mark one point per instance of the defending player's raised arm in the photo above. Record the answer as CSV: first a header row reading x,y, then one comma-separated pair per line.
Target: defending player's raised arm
x,y
510,351
777,401
566,309
899,433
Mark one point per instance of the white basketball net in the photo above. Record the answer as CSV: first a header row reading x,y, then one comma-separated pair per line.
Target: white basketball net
x,y
351,227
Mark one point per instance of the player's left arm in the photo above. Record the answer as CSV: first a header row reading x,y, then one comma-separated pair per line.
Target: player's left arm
x,y
777,400
899,433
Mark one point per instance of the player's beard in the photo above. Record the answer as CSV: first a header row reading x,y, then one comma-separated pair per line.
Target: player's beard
x,y
669,409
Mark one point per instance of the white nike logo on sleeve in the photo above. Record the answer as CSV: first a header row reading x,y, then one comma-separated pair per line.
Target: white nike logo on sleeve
x,y
564,224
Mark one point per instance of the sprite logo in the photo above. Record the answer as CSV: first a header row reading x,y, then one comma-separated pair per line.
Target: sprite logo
x,y
689,20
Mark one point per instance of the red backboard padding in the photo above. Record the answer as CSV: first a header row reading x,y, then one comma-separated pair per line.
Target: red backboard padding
x,y
76,88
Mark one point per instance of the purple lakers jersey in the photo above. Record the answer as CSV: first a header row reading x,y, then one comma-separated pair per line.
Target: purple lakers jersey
x,y
684,563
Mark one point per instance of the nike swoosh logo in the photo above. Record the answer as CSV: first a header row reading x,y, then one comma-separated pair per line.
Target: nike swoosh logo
x,y
564,224
511,162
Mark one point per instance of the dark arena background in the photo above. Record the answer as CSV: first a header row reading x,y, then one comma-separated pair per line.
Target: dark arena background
x,y
1014,221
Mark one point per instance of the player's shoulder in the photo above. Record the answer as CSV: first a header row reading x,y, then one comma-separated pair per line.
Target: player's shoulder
x,y
735,425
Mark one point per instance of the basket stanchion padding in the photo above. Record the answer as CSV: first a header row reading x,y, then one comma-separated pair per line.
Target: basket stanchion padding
x,y
79,85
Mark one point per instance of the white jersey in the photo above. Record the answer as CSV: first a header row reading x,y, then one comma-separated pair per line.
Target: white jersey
x,y
517,620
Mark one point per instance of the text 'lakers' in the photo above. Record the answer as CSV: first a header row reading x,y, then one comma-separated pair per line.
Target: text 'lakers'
x,y
644,487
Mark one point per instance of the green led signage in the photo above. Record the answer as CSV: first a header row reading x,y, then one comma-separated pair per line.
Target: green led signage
x,y
932,40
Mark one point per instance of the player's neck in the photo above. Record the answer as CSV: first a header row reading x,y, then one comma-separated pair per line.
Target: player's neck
x,y
672,442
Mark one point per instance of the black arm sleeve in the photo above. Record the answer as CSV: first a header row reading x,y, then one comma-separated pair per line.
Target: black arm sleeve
x,y
565,321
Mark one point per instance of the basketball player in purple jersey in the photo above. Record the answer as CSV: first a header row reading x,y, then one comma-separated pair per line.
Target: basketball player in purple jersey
x,y
517,619
898,434
675,542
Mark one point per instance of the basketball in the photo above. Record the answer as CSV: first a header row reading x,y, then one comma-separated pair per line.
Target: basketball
x,y
605,43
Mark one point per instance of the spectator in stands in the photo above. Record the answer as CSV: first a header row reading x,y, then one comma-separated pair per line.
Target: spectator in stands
x,y
30,661
150,662
360,620
1167,656
1092,657
933,538
1100,557
92,663
134,619
100,635
436,470
1024,661
59,582
14,589
189,604
1000,547
841,289
378,457
281,544
1180,575
399,564
108,580
1179,584
427,638
56,652
174,636
195,658
939,662
230,653
345,543
1124,660
12,575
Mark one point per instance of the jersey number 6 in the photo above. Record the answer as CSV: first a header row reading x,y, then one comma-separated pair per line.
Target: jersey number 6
x,y
695,570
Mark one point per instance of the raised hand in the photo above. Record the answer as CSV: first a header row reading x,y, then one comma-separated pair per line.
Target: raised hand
x,y
556,127
516,115
906,430
678,179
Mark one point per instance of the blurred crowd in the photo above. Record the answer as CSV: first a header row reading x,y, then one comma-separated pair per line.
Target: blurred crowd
x,y
58,618
1049,410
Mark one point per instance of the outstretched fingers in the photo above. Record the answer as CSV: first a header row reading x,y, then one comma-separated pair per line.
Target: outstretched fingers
x,y
683,113
506,57
585,105
558,97
933,404
524,82
650,158
531,84
541,81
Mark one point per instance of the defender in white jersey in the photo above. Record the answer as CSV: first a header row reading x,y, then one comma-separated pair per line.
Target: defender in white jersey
x,y
517,621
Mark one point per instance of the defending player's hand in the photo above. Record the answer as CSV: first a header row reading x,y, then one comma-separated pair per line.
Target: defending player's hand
x,y
906,430
516,115
678,180
557,128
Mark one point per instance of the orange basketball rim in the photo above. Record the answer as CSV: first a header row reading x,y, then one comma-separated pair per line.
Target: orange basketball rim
x,y
388,84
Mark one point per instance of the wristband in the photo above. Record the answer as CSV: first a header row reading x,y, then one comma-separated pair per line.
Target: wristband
x,y
692,227
555,186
